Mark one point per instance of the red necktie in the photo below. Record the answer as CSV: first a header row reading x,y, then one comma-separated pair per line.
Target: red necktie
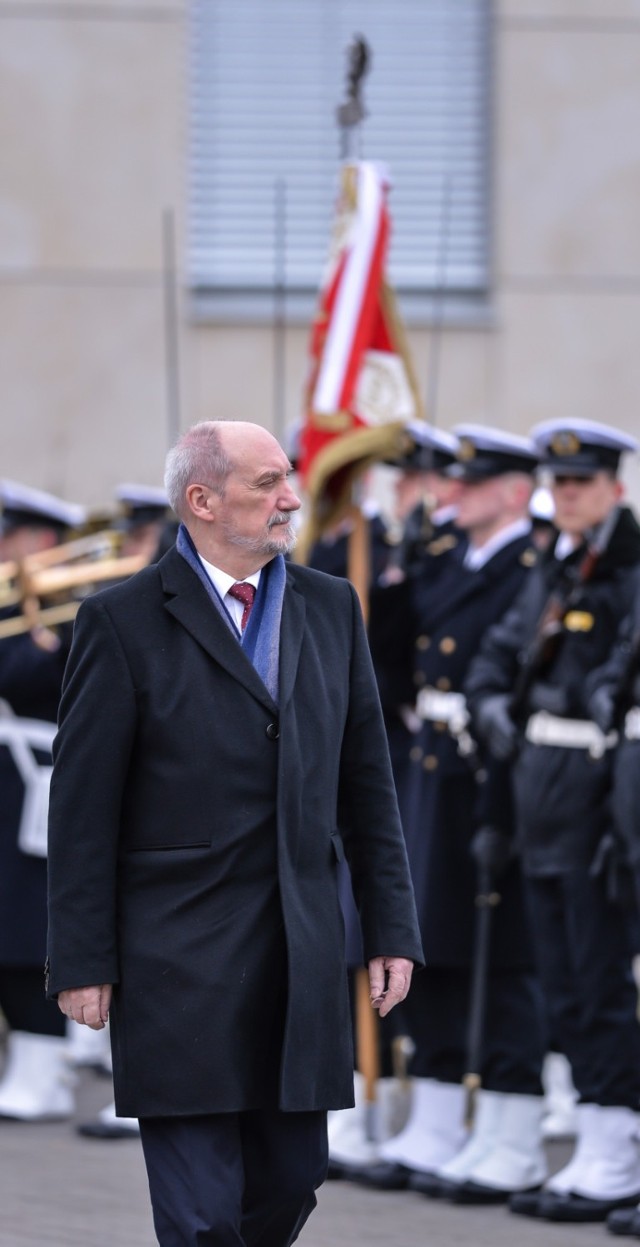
x,y
244,593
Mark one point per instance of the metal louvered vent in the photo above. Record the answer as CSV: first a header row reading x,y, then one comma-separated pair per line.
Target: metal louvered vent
x,y
266,77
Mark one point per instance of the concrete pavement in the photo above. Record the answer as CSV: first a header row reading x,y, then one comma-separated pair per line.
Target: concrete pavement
x,y
58,1188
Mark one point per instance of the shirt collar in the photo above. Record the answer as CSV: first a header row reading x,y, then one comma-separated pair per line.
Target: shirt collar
x,y
477,556
222,581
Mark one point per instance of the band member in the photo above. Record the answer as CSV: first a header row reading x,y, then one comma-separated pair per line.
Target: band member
x,y
36,1081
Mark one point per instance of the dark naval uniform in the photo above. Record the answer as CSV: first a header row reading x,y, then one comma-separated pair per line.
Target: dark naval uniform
x,y
562,782
614,703
423,633
439,624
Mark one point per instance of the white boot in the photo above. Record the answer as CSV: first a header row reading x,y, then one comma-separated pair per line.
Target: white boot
x,y
89,1049
350,1130
564,1181
37,1082
517,1161
481,1141
613,1168
559,1121
434,1131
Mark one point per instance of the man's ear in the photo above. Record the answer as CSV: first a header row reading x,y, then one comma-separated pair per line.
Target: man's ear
x,y
202,502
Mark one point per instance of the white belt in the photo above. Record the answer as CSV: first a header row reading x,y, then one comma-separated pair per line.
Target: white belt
x,y
22,737
449,708
549,729
632,724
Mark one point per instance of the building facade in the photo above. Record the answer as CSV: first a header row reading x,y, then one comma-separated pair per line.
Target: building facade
x,y
97,170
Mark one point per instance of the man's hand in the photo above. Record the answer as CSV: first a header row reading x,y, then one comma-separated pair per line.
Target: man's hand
x,y
389,982
87,1005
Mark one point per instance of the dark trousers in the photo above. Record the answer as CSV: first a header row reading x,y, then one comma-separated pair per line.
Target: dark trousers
x,y
233,1179
24,1003
436,1014
582,948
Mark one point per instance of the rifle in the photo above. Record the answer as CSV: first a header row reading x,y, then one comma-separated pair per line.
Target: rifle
x,y
549,631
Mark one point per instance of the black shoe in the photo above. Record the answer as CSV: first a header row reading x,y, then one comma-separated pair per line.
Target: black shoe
x,y
624,1221
428,1184
572,1208
477,1193
385,1175
343,1170
106,1130
526,1203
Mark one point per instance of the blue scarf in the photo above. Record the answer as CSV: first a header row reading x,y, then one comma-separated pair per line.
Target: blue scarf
x,y
261,637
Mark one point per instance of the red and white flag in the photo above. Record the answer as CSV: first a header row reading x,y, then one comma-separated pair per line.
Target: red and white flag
x,y
361,390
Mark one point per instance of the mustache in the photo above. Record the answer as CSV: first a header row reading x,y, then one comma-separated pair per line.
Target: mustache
x,y
279,517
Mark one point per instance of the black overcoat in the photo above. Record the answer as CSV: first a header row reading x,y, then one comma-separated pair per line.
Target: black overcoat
x,y
194,843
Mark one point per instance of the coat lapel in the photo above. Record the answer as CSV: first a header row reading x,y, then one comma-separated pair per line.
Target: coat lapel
x,y
187,601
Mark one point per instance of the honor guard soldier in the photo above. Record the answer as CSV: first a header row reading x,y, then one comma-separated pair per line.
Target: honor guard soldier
x,y
614,703
437,625
425,533
35,1081
425,497
528,696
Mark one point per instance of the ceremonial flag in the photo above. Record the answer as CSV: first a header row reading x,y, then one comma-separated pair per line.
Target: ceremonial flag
x,y
361,390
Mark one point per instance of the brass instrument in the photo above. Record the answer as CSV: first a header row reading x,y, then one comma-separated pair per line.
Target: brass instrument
x,y
69,571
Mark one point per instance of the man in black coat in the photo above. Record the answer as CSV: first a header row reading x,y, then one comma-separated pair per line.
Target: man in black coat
x,y
424,632
219,724
528,693
35,1083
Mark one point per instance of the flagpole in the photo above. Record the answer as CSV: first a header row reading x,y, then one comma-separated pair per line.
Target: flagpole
x,y
435,340
350,115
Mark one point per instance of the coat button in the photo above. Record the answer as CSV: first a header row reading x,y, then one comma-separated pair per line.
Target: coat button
x,y
273,731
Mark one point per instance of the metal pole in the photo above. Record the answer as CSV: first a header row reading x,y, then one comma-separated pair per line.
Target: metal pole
x,y
279,307
435,341
169,273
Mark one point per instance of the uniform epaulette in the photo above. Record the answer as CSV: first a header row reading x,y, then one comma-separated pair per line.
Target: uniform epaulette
x,y
442,544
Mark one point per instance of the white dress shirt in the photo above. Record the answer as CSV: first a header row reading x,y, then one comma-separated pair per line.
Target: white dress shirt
x,y
223,582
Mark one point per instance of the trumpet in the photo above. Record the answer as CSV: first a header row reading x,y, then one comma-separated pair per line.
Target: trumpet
x,y
70,570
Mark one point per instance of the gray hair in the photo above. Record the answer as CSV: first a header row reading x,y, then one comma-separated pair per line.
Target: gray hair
x,y
198,457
